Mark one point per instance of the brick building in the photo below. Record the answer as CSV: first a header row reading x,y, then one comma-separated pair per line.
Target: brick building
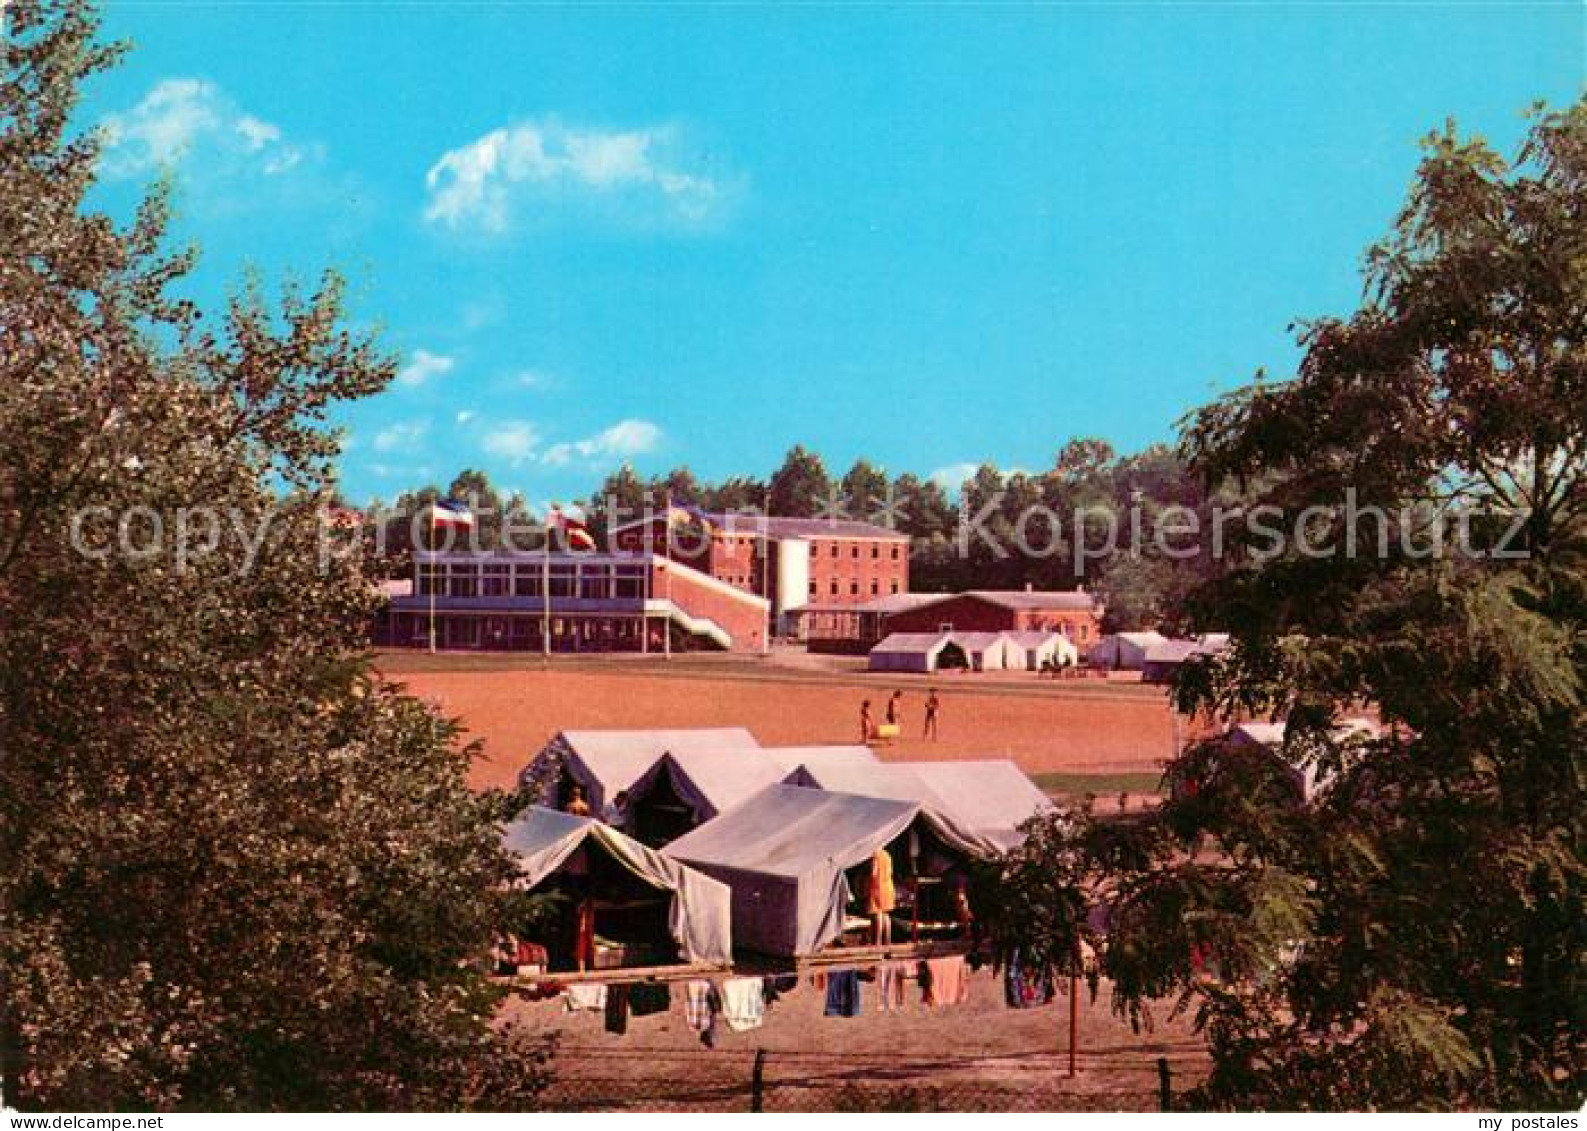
x,y
570,602
1073,613
792,562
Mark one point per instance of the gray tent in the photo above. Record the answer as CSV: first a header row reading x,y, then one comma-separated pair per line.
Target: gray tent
x,y
992,797
813,758
892,781
605,763
699,917
686,788
784,853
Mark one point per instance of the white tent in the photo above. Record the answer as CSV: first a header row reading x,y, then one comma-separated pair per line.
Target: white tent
x,y
987,651
699,918
784,853
703,782
909,652
794,758
1032,649
892,781
1124,651
605,763
991,797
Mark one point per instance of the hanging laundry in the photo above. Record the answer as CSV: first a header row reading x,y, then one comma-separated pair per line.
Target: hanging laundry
x,y
777,985
585,996
946,981
700,1008
743,1003
617,1009
843,994
890,980
1023,987
646,998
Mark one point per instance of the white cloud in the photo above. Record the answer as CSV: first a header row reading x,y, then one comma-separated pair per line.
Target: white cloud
x,y
954,476
465,415
478,185
534,379
423,366
624,439
512,440
184,117
400,437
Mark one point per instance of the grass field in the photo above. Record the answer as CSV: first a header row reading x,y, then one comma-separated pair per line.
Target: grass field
x,y
1096,737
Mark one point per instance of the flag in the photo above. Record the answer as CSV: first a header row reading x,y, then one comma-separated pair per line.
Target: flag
x,y
448,512
690,511
574,532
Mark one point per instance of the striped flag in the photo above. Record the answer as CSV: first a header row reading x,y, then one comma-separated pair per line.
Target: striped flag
x,y
574,532
449,512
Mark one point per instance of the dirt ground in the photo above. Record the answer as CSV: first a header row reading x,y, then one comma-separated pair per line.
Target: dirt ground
x,y
979,1056
515,707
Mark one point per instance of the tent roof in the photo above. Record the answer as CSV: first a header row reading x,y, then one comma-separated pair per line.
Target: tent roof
x,y
618,758
977,639
985,795
789,831
912,642
891,781
1033,638
700,915
713,780
814,758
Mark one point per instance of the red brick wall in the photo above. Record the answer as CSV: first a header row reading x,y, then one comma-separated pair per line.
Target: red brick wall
x,y
861,570
742,618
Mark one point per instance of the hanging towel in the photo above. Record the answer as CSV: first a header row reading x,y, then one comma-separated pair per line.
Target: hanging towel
x,y
649,997
743,1003
617,1009
585,996
946,983
697,1009
843,994
890,979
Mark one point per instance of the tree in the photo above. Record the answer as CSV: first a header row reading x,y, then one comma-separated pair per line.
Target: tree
x,y
1409,932
241,871
864,489
800,487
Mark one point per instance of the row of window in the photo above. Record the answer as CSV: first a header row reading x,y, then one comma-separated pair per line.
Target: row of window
x,y
835,549
506,579
835,588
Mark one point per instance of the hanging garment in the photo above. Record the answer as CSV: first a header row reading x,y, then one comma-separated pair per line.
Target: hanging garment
x,y
646,998
743,1003
1023,987
584,935
617,1009
890,980
843,994
946,981
701,1006
585,996
777,985
882,897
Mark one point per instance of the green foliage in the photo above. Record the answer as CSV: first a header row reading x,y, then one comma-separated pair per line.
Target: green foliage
x,y
241,873
1410,934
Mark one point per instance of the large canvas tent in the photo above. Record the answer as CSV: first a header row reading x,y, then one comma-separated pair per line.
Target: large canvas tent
x,y
787,851
606,763
991,797
585,858
1034,650
792,759
892,781
684,789
917,652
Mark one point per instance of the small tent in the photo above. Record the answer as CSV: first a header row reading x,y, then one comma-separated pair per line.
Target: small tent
x,y
911,652
1124,651
687,788
1036,650
991,797
793,857
606,763
641,900
987,651
792,759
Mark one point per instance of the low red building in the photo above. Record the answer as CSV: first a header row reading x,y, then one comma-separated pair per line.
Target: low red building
x,y
1074,613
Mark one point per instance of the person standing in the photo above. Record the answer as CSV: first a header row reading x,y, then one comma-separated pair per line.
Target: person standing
x,y
932,705
867,723
895,707
881,897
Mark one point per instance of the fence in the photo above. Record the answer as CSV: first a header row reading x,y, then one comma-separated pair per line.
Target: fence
x,y
655,1079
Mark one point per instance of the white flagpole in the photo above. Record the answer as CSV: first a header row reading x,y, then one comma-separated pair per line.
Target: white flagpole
x,y
434,574
545,593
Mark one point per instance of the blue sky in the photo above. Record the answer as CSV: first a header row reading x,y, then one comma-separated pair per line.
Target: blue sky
x,y
930,236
